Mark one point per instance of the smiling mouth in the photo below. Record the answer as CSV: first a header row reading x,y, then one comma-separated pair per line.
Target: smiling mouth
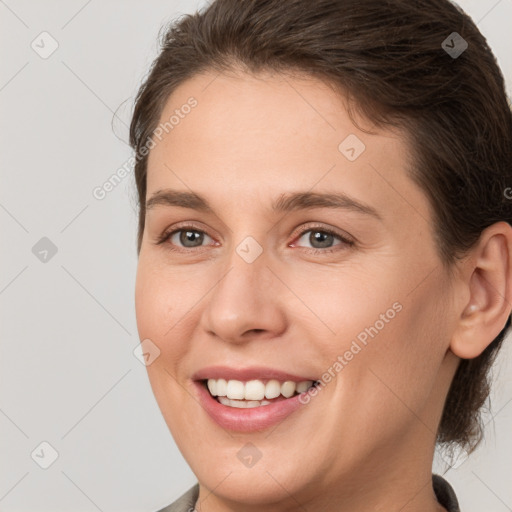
x,y
254,393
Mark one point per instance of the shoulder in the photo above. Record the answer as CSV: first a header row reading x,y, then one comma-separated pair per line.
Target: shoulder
x,y
185,503
445,494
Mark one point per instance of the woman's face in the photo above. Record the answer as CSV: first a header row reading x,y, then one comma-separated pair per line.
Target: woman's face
x,y
271,280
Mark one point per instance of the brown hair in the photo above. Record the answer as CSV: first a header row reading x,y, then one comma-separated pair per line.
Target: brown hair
x,y
388,57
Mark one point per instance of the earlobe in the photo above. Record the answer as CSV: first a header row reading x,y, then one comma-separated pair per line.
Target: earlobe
x,y
489,283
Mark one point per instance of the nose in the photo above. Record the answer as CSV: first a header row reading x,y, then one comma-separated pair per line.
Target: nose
x,y
247,302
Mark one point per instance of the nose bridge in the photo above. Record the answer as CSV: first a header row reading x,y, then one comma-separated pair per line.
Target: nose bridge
x,y
246,261
244,277
244,297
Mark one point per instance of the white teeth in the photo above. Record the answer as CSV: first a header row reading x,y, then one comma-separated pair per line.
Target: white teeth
x,y
255,390
288,388
242,404
272,389
221,387
235,390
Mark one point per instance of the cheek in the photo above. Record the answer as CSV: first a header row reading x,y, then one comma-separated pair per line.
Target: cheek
x,y
167,304
159,299
392,341
405,359
154,306
345,304
148,294
157,313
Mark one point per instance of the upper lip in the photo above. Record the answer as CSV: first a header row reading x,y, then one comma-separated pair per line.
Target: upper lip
x,y
246,374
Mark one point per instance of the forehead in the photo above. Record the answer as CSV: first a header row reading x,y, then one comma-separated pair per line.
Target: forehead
x,y
266,134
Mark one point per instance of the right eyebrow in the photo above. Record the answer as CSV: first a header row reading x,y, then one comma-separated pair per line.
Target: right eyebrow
x,y
168,197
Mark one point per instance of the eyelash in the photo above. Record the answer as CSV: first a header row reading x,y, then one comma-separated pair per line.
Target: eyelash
x,y
189,227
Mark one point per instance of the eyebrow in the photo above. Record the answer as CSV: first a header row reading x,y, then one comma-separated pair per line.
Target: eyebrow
x,y
284,203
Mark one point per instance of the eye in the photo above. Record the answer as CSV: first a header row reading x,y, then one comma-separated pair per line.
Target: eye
x,y
322,239
187,237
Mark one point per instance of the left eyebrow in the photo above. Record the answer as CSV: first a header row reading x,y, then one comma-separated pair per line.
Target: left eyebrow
x,y
338,200
284,203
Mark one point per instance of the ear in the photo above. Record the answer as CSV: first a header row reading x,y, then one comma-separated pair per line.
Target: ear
x,y
488,279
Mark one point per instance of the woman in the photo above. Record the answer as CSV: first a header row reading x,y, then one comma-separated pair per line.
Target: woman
x,y
325,248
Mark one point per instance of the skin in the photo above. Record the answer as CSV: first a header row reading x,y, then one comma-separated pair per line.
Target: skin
x,y
366,441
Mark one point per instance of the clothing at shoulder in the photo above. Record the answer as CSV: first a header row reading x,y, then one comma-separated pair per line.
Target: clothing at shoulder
x,y
445,494
184,503
443,490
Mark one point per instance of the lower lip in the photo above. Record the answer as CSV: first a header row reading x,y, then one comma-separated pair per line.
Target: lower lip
x,y
246,420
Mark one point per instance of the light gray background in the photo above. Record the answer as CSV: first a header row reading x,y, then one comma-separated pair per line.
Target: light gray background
x,y
68,375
